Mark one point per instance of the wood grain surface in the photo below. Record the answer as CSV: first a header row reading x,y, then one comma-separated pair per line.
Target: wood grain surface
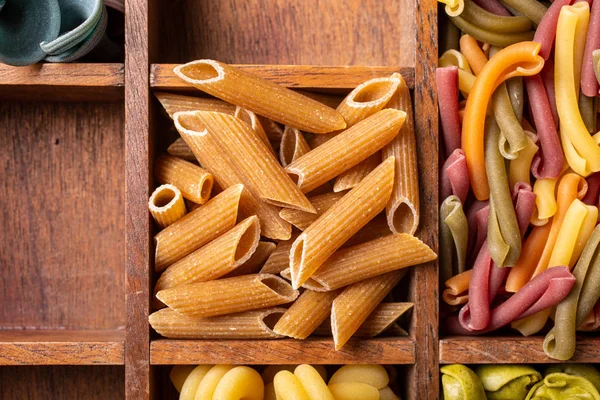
x,y
310,32
62,240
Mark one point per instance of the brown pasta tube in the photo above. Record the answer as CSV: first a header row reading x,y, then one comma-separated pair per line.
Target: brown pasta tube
x,y
179,148
194,182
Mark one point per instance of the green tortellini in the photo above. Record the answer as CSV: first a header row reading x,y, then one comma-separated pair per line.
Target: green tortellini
x,y
507,382
561,386
584,370
461,383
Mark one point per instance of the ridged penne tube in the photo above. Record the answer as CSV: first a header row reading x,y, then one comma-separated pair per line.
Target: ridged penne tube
x,y
346,149
255,262
197,228
280,258
293,146
352,177
306,314
302,219
193,381
371,374
288,387
374,229
260,96
252,120
228,296
240,383
212,157
181,150
402,210
382,318
353,391
363,261
194,182
256,324
173,103
324,236
273,130
166,205
354,305
312,382
179,374
457,288
215,259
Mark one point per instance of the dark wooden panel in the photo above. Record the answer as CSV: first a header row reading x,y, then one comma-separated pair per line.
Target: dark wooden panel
x,y
62,383
62,242
310,32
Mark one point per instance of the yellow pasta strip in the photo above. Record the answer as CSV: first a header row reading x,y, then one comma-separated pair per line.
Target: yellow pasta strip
x,y
193,380
545,199
466,81
453,7
240,383
166,205
260,96
288,387
567,234
353,391
372,374
256,261
520,167
324,236
210,382
455,58
179,374
587,227
312,382
173,103
194,182
293,146
322,203
181,150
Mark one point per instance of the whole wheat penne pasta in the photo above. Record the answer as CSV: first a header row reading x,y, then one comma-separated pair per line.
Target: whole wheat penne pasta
x,y
310,284
166,205
382,318
346,149
365,331
350,178
293,146
225,174
256,324
354,305
215,259
363,261
252,120
322,203
194,182
273,130
279,258
179,148
255,262
253,160
173,103
374,229
228,296
457,288
197,228
330,100
305,314
324,236
240,383
260,96
402,210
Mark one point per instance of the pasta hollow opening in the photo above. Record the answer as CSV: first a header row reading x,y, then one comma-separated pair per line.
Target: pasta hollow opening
x,y
189,121
278,285
288,148
296,255
271,319
203,70
376,91
164,198
206,188
404,218
248,242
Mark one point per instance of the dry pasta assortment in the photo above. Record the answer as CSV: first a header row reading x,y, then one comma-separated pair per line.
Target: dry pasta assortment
x,y
311,219
520,382
284,382
518,96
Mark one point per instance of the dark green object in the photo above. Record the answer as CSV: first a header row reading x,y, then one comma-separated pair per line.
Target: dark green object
x,y
507,382
461,383
561,386
24,24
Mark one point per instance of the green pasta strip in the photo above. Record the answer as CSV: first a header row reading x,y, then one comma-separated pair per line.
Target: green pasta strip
x,y
453,216
493,38
492,22
532,9
507,382
512,139
587,108
504,237
449,34
586,371
517,95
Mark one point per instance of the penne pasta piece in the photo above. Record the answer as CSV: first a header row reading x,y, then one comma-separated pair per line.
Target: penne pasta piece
x,y
457,288
346,149
194,182
306,314
272,128
166,205
372,374
260,96
330,100
240,383
173,103
197,228
322,203
473,53
228,296
353,391
280,258
310,284
324,236
212,157
215,259
402,210
179,374
288,387
352,177
245,325
253,122
193,381
354,305
382,318
312,382
374,229
363,261
210,381
256,261
180,149
293,146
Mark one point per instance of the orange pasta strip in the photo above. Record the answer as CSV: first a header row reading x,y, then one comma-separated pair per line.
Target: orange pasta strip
x,y
531,253
520,59
473,53
457,287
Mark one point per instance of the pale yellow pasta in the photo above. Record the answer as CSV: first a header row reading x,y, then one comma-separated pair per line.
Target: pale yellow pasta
x,y
180,149
354,305
240,383
324,236
386,254
453,7
271,370
194,182
305,314
466,81
293,146
211,381
519,169
280,258
302,219
567,234
197,228
545,201
260,96
256,261
382,318
372,374
179,374
228,296
245,325
387,394
346,149
454,58
215,259
252,120
270,391
353,391
587,227
173,103
166,205
312,382
211,156
288,387
193,380
352,177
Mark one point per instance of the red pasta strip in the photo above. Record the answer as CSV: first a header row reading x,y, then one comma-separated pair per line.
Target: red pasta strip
x,y
475,315
524,200
477,219
547,75
589,83
546,30
447,88
493,6
455,176
593,181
